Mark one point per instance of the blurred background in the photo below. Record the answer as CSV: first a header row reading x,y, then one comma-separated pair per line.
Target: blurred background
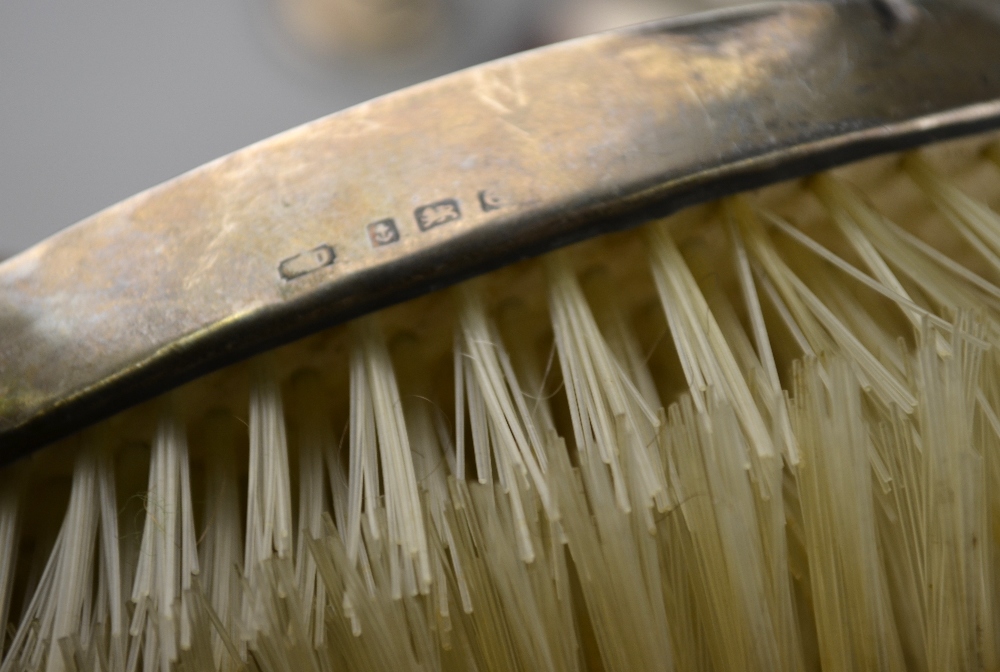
x,y
100,99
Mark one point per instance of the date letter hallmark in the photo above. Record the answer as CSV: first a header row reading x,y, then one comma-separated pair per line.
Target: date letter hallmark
x,y
438,213
306,262
489,201
383,232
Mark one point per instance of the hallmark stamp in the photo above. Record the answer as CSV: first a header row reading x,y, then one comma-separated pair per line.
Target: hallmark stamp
x,y
438,213
306,262
489,201
383,232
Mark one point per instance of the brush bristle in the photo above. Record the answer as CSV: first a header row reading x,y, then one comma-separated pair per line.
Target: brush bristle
x,y
763,434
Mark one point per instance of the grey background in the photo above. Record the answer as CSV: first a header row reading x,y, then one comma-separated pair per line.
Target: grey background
x,y
100,99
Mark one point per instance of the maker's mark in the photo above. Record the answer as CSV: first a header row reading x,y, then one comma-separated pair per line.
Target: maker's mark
x,y
307,262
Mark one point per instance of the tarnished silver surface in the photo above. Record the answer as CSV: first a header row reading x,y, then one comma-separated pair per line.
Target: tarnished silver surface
x,y
459,175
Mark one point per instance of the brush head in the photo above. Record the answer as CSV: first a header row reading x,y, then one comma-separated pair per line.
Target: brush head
x,y
461,175
759,434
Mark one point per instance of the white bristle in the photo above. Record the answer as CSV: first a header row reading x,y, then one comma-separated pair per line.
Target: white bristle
x,y
459,385
499,414
222,542
855,626
269,505
315,441
75,566
592,381
707,348
380,397
110,560
737,210
168,553
11,494
763,435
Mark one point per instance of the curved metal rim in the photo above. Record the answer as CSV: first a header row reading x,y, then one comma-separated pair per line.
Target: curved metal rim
x,y
459,255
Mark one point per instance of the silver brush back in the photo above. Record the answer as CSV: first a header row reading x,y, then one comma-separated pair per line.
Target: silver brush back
x,y
463,174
